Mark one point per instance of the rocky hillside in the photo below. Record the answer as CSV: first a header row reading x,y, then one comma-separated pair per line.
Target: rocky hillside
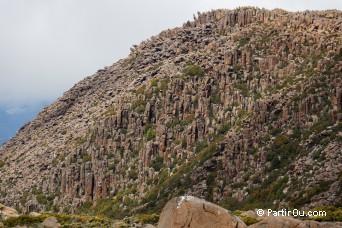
x,y
240,107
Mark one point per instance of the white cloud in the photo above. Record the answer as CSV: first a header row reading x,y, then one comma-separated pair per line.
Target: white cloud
x,y
15,111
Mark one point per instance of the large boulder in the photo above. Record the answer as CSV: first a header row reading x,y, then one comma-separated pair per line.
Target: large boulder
x,y
189,211
7,212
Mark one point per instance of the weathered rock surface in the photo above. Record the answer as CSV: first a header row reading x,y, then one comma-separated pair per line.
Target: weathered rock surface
x,y
34,214
148,226
189,211
7,212
51,222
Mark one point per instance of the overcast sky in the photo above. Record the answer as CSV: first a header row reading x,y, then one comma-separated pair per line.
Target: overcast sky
x,y
46,46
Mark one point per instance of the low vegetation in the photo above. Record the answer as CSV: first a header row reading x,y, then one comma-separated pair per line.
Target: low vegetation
x,y
194,70
63,219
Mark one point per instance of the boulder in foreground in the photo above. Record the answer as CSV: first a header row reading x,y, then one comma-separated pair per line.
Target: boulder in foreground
x,y
189,211
7,212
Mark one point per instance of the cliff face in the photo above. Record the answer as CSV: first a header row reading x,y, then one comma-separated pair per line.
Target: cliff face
x,y
241,107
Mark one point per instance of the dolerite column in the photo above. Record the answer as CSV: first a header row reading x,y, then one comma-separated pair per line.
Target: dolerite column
x,y
89,186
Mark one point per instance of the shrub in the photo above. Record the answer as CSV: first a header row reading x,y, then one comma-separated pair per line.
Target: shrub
x,y
162,175
215,98
223,129
200,145
86,158
148,218
194,70
54,162
55,208
210,181
334,214
164,85
158,163
249,220
150,134
243,41
154,82
23,220
23,198
184,143
133,174
251,150
41,198
257,96
155,67
243,88
140,90
280,140
80,141
236,68
139,105
2,163
109,112
275,131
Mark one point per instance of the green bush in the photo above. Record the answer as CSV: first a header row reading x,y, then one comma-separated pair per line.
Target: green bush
x,y
210,181
2,163
215,98
249,220
251,150
133,174
111,167
140,90
194,70
80,141
164,85
243,88
148,218
223,129
236,68
109,112
243,41
86,158
162,175
154,82
150,134
158,163
334,214
41,198
23,198
200,145
23,220
139,105
184,143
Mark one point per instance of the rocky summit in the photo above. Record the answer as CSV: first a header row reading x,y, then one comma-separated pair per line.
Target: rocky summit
x,y
239,107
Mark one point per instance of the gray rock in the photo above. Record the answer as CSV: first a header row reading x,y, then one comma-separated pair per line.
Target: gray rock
x,y
51,222
148,226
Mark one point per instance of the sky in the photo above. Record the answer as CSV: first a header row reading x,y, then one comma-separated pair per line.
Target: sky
x,y
46,46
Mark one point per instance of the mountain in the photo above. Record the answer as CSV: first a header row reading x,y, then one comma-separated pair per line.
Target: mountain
x,y
240,107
